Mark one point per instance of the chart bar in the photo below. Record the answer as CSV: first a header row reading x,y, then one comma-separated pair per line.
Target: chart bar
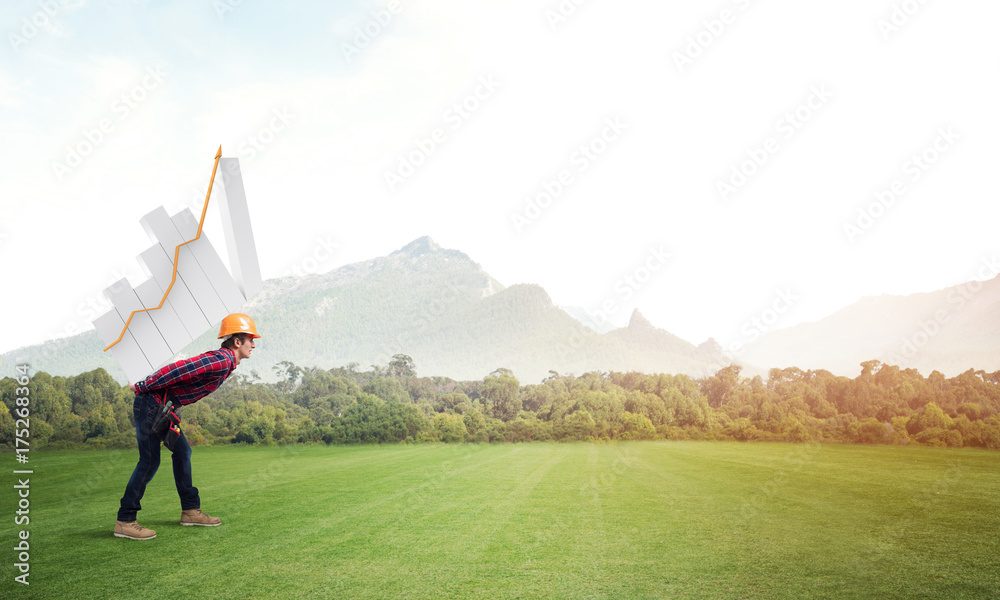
x,y
130,358
159,227
150,341
238,232
209,261
165,318
160,268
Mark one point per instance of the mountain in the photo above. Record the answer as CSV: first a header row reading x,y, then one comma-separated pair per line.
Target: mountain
x,y
949,330
433,304
581,315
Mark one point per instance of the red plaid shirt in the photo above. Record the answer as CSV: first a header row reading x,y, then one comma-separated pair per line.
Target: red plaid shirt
x,y
190,379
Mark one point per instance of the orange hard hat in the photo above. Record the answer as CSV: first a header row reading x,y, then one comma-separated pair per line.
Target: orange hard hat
x,y
237,323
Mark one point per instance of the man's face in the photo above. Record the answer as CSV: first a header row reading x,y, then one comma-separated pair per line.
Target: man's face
x,y
243,348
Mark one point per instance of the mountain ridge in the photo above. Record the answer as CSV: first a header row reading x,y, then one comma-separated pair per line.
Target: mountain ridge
x,y
949,330
454,319
434,304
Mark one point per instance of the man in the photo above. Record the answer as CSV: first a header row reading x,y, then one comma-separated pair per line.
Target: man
x,y
187,381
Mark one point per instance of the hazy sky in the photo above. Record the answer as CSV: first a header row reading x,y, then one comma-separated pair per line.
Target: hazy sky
x,y
702,161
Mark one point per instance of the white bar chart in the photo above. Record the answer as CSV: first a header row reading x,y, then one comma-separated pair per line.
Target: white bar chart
x,y
178,302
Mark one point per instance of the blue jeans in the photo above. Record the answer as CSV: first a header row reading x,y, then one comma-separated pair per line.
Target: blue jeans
x,y
144,410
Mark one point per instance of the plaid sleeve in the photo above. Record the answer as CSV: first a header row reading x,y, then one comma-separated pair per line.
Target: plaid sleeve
x,y
184,371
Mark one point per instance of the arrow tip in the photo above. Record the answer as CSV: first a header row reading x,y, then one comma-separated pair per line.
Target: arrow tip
x,y
219,153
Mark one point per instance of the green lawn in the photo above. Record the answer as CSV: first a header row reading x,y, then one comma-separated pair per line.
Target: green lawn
x,y
626,520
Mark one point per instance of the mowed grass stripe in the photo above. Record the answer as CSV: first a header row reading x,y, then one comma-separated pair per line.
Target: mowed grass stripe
x,y
627,520
835,522
661,524
426,540
347,526
90,516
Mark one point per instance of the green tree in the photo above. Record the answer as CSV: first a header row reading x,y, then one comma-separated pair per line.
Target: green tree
x,y
449,402
931,418
101,422
524,428
796,431
719,387
387,389
256,430
475,424
288,375
450,428
870,431
402,365
741,429
49,400
88,390
577,426
986,434
972,410
636,427
6,426
500,394
372,420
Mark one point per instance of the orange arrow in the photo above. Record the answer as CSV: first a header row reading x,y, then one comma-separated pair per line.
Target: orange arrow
x,y
177,253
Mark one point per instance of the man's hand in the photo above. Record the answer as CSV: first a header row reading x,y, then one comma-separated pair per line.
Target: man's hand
x,y
131,386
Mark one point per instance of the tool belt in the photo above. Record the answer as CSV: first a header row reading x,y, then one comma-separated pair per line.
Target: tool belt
x,y
167,422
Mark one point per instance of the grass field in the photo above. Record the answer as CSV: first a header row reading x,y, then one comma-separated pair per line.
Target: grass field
x,y
627,520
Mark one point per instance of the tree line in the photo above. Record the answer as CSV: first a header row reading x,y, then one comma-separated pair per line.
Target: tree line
x,y
390,404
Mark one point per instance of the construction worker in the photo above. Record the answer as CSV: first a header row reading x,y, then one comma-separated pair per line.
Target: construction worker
x,y
185,381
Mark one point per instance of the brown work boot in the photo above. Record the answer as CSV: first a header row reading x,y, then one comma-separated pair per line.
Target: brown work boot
x,y
196,517
133,531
